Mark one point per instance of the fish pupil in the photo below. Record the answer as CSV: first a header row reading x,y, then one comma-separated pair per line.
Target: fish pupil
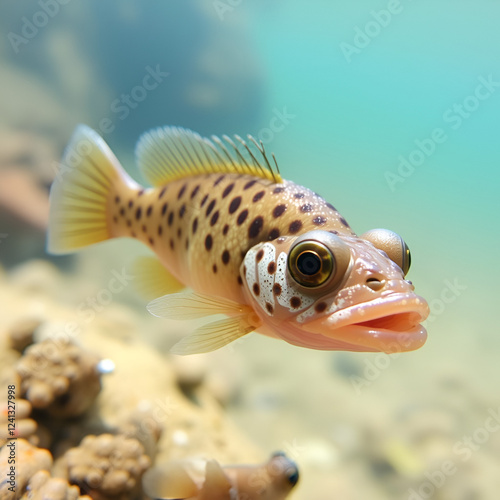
x,y
309,263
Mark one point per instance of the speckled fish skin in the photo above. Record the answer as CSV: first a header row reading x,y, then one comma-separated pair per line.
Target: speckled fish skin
x,y
227,228
202,227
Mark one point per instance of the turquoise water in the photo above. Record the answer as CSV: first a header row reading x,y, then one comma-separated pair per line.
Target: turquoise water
x,y
389,109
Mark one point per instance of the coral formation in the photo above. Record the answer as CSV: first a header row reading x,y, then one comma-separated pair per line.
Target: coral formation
x,y
59,377
106,466
43,487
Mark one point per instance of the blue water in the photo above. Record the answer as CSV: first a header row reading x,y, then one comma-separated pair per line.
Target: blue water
x,y
343,93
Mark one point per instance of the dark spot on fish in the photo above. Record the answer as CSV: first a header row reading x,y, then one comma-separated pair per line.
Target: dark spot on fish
x,y
117,199
160,230
299,195
256,289
271,267
240,281
144,228
225,230
210,208
329,205
295,226
162,192
279,210
320,307
115,218
277,289
270,308
258,196
234,205
179,233
334,232
259,255
182,210
122,211
209,242
195,191
187,243
130,203
227,190
138,213
249,184
219,180
214,218
141,192
205,198
149,210
182,190
295,302
225,256
170,218
273,234
343,221
164,208
172,245
129,223
214,268
242,217
306,208
278,190
195,225
255,227
151,241
319,221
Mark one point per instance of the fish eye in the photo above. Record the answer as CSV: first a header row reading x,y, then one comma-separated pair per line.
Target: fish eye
x,y
293,476
392,244
314,263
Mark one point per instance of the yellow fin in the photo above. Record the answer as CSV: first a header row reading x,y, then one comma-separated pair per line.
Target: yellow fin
x,y
80,192
216,485
152,279
169,480
215,335
190,305
170,153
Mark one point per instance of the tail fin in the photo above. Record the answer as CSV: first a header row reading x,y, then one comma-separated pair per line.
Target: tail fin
x,y
88,176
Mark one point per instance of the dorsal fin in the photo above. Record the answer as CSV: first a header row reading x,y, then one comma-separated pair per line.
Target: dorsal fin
x,y
169,153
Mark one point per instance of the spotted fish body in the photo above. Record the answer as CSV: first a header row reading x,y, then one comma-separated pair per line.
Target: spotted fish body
x,y
202,227
225,225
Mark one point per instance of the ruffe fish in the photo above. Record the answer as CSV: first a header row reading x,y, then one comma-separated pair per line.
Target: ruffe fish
x,y
273,256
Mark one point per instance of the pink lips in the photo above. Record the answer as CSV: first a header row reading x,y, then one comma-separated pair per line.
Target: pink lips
x,y
388,324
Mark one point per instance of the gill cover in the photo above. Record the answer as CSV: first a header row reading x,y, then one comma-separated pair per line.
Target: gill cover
x,y
392,244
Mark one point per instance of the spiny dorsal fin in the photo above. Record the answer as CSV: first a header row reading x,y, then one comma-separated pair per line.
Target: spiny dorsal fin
x,y
170,153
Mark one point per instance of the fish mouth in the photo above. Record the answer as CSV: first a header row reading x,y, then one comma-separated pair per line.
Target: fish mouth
x,y
387,324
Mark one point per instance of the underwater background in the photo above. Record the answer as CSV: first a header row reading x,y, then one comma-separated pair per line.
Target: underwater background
x,y
390,110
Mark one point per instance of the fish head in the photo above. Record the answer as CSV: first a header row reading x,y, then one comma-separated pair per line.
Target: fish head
x,y
325,290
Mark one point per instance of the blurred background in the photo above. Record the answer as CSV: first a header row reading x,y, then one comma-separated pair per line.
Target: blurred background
x,y
391,110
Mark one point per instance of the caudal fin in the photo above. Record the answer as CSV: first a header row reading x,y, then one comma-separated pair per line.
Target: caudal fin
x,y
87,179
